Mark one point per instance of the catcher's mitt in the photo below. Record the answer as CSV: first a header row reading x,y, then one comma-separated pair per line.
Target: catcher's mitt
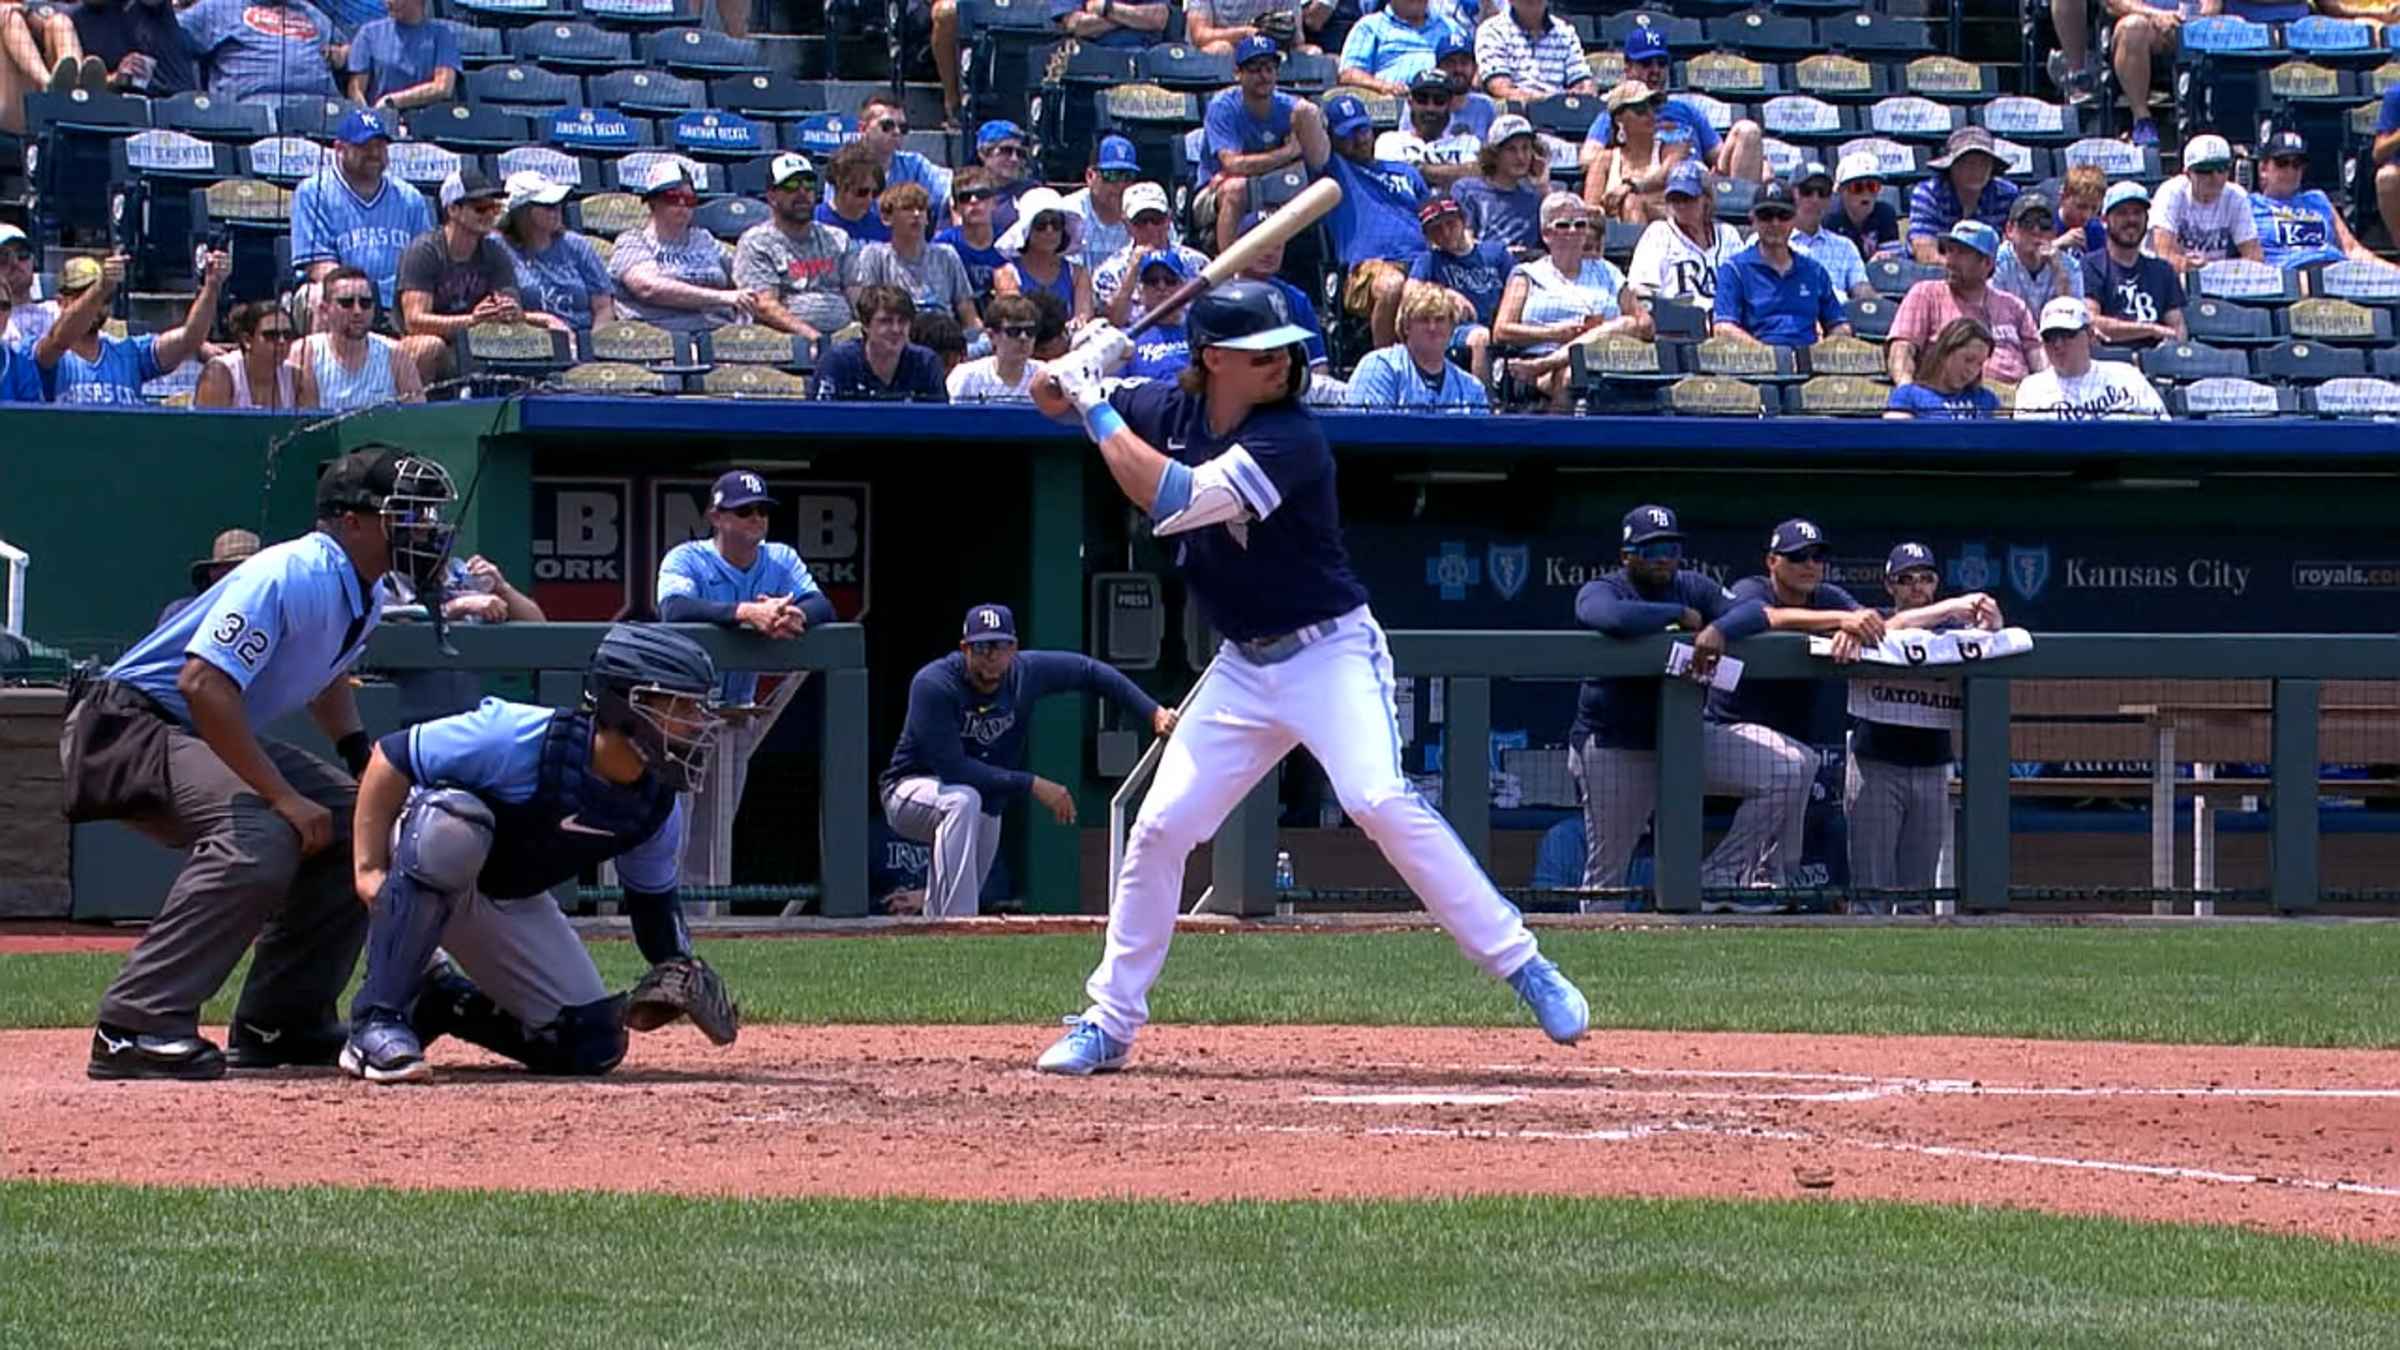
x,y
686,984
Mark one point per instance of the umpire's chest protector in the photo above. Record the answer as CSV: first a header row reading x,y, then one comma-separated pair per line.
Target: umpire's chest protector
x,y
573,821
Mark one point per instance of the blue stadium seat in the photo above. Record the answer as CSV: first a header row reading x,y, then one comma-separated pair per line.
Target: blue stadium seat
x,y
2118,159
1891,276
642,14
1731,75
510,13
713,134
1567,116
1841,79
2229,396
777,98
307,115
2363,283
696,53
597,131
2321,38
1177,65
1307,75
254,221
1682,35
1764,36
571,47
2353,397
1804,120
2246,282
2031,121
2300,361
67,158
284,159
151,201
728,217
423,164
521,349
581,174
468,128
752,344
213,119
646,91
1912,118
521,88
1896,162
2225,324
478,46
641,344
1863,33
631,173
2183,362
1871,319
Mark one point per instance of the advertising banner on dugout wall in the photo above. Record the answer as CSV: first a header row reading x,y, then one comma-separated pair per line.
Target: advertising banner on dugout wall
x,y
597,541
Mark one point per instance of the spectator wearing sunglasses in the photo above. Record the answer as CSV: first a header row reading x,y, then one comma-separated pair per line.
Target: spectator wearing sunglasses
x,y
1164,349
458,275
1247,133
1569,295
1441,149
883,130
1007,374
668,273
881,363
974,238
1771,293
1812,200
1625,161
1044,257
793,264
1105,231
2297,225
81,362
1109,23
857,184
1682,125
1114,286
257,373
1387,48
1006,153
344,365
1471,110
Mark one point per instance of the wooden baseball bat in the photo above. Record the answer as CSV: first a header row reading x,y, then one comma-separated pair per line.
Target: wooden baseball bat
x,y
1276,230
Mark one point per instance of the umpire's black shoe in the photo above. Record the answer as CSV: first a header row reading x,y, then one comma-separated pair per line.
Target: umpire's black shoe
x,y
117,1053
255,1045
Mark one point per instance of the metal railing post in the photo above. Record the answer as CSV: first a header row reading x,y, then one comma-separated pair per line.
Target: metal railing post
x,y
843,777
1675,829
1983,842
1467,765
2292,801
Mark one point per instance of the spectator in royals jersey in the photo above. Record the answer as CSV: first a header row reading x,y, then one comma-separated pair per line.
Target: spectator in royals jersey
x,y
793,264
1375,226
2136,299
1441,148
81,362
1163,349
1966,185
261,48
1677,258
2076,388
357,212
1472,111
2297,225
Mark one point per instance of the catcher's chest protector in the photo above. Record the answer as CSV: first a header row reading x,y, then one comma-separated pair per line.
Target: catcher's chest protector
x,y
574,820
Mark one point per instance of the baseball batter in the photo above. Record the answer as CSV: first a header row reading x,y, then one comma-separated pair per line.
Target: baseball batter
x,y
1613,750
956,766
1230,464
466,822
168,741
1896,787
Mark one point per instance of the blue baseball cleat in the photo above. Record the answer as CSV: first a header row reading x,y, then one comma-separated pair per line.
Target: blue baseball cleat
x,y
385,1050
1557,1004
1085,1050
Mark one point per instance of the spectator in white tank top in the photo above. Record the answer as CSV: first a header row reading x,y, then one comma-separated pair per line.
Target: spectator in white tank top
x,y
257,373
342,365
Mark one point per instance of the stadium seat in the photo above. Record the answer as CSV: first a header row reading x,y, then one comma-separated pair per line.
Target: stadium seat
x,y
1946,79
1913,118
1618,239
583,175
1307,75
68,158
308,115
1744,360
1682,35
512,349
2118,159
573,48
254,221
643,15
2246,282
606,214
2324,38
640,344
2362,283
424,164
1895,162
2303,362
2184,362
777,98
728,136
284,159
727,217
510,13
213,119
2225,324
2325,318
1175,65
649,91
1715,396
2353,397
1871,319
598,131
520,88
753,344
155,173
1677,322
2030,121
1838,396
1841,79
1892,276
2223,396
478,46
1845,356
630,173
1621,375
820,134
1567,116
1764,36
617,377
1863,33
1807,121
468,128
752,381
697,54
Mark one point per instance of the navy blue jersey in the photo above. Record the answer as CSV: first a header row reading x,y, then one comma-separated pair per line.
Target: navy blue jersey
x,y
960,734
1622,714
1888,743
1788,706
1285,568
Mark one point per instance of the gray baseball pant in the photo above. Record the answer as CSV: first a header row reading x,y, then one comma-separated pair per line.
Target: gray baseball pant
x,y
1896,814
1768,770
950,817
245,883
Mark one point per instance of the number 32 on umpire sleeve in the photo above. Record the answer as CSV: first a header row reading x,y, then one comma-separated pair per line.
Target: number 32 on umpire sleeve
x,y
237,636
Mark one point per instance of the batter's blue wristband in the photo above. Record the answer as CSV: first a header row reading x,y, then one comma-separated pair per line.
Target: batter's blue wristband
x,y
1102,422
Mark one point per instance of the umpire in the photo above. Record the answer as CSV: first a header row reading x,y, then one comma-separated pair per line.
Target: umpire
x,y
168,741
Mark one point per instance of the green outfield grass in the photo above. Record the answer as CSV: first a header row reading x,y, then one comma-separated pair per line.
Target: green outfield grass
x,y
95,1265
2295,984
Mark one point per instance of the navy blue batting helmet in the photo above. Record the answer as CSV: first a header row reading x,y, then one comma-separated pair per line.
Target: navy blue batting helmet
x,y
637,683
1247,316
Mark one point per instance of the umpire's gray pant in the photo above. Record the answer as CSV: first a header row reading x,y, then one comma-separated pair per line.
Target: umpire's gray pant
x,y
950,817
1897,815
1768,770
245,882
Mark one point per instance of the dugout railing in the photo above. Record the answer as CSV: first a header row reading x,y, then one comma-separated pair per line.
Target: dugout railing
x,y
2156,687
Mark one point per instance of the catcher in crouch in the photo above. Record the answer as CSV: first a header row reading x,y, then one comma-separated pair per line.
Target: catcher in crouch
x,y
464,823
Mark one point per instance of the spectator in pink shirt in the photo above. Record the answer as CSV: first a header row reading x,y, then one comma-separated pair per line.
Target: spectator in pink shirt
x,y
1968,251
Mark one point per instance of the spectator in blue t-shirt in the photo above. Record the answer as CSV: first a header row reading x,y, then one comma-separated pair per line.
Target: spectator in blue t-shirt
x,y
1771,294
1471,110
1966,184
1415,372
857,183
1949,383
251,48
1162,349
1263,266
1247,132
20,379
2385,152
405,61
559,272
2297,225
1503,201
81,363
1387,48
1375,227
1474,271
1682,124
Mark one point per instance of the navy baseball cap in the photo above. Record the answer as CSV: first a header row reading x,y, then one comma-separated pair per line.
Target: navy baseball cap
x,y
1908,557
360,126
1774,197
1645,523
1687,179
1643,43
738,487
989,623
1452,44
1346,113
2286,144
1254,47
1795,535
1117,153
1430,80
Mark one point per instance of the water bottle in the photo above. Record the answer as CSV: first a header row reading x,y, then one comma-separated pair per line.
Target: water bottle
x,y
1283,882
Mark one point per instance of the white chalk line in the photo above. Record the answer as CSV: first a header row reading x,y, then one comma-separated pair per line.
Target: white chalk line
x,y
1866,1087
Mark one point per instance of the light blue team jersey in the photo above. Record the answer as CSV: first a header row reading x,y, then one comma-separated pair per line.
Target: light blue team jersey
x,y
281,626
251,48
1387,377
696,569
331,223
115,376
495,751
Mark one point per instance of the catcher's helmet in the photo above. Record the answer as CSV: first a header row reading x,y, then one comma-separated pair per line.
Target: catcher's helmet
x,y
658,687
1247,316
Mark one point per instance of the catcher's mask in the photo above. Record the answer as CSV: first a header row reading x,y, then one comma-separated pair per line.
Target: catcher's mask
x,y
659,689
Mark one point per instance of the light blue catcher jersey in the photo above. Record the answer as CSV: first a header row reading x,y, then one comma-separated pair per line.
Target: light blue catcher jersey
x,y
495,751
281,626
696,569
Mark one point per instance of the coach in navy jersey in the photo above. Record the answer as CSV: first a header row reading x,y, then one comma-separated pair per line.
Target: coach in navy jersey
x,y
1232,467
956,764
1614,746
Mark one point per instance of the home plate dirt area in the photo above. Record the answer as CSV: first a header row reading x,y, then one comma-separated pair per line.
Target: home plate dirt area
x,y
2274,1139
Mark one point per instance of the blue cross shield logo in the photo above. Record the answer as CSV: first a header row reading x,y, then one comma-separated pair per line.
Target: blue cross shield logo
x,y
2028,570
1509,566
1452,571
